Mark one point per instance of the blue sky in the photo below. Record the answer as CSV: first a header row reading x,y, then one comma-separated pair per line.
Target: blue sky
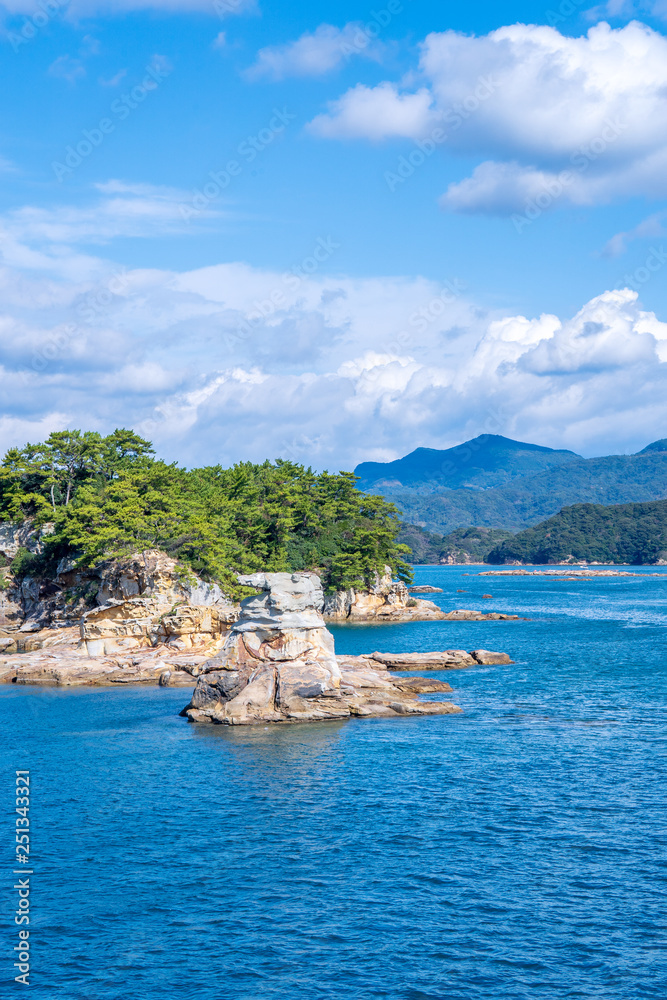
x,y
334,232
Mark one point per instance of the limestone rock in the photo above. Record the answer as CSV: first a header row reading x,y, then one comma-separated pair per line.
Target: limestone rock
x,y
386,601
449,659
279,665
22,536
425,589
71,666
488,658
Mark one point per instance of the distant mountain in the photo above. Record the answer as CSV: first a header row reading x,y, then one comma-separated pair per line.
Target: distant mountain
x,y
656,446
487,461
634,534
525,498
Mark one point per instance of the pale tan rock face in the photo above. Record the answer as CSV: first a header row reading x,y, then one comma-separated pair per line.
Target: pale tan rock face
x,y
279,665
386,601
141,602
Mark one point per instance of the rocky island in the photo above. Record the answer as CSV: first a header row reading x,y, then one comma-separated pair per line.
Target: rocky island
x,y
117,568
278,664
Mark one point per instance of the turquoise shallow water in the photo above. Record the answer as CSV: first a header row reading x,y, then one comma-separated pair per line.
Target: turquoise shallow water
x,y
515,851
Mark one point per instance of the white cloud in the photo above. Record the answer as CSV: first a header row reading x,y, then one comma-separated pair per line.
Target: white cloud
x,y
630,8
67,68
314,53
114,80
651,228
533,104
376,113
43,239
229,361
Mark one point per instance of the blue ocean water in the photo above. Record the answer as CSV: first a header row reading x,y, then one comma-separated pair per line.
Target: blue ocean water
x,y
515,851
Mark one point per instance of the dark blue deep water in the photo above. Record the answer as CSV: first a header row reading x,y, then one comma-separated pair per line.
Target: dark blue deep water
x,y
515,851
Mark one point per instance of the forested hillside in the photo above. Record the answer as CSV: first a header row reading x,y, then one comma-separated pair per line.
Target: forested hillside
x,y
526,501
465,545
110,496
630,534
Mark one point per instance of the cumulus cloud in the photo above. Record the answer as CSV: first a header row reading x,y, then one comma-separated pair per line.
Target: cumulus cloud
x,y
314,53
536,105
230,362
376,113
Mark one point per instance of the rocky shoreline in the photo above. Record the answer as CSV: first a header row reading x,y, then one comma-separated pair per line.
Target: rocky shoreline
x,y
269,660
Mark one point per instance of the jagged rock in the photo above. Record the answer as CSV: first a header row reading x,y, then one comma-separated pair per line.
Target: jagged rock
x,y
22,536
425,589
278,665
142,601
385,601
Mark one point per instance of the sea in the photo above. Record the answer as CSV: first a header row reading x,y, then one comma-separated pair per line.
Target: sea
x,y
517,850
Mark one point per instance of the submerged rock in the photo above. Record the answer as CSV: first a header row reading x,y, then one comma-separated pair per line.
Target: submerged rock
x,y
279,665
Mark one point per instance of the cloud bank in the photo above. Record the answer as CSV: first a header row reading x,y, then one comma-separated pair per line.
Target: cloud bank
x,y
231,362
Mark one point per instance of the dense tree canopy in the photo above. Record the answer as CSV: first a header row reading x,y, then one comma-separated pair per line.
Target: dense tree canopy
x,y
110,496
629,534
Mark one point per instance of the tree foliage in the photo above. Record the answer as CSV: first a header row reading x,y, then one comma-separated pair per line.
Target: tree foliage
x,y
629,534
110,496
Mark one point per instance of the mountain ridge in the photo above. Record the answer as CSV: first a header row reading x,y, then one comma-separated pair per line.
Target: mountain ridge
x,y
486,461
523,500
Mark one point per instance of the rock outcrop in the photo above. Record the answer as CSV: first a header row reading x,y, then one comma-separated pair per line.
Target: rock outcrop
x,y
63,663
448,659
386,601
118,607
279,665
